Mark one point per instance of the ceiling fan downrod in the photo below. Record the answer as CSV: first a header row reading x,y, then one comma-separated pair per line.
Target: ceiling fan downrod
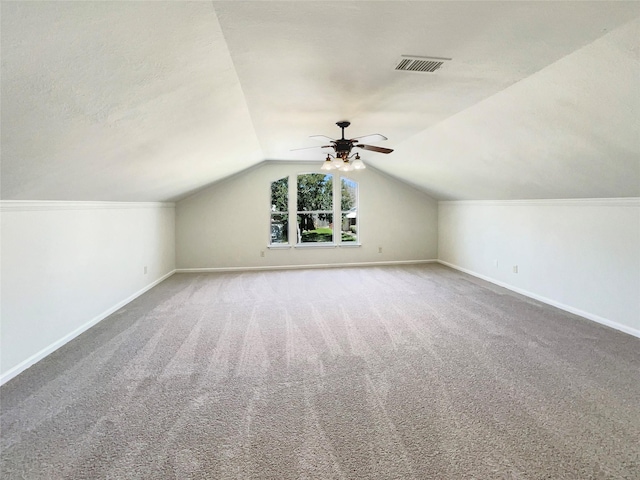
x,y
344,124
343,146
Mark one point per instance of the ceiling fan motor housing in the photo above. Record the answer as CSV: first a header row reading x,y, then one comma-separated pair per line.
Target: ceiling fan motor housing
x,y
343,146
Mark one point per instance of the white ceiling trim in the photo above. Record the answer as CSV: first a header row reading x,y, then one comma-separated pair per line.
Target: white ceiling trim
x,y
37,205
558,202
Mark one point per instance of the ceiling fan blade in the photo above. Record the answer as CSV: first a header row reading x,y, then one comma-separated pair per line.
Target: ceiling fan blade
x,y
309,148
322,137
374,149
372,137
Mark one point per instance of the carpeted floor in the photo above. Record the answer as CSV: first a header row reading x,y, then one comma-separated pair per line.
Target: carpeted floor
x,y
378,373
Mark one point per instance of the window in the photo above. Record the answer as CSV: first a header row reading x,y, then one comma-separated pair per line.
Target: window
x,y
280,211
315,210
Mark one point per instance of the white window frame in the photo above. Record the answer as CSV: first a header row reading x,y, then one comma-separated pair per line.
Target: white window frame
x,y
336,213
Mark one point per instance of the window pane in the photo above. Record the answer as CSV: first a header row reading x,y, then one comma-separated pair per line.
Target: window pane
x,y
350,226
349,207
279,228
315,192
315,227
349,194
280,195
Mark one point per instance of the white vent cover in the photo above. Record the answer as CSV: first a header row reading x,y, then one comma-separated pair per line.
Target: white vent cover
x,y
409,63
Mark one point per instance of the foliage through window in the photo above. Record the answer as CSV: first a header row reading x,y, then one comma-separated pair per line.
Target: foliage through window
x,y
315,210
349,210
280,211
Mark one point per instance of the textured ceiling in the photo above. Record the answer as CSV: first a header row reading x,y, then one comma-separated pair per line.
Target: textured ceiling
x,y
138,101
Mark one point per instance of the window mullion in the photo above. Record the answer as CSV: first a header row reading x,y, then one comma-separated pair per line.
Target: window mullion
x,y
337,205
293,208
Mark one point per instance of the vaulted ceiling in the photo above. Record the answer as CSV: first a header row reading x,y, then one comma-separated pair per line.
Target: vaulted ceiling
x,y
144,101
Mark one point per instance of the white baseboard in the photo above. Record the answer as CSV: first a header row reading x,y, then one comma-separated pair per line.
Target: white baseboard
x,y
548,301
22,366
300,267
8,375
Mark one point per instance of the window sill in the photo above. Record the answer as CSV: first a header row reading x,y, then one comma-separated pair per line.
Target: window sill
x,y
286,246
315,245
327,245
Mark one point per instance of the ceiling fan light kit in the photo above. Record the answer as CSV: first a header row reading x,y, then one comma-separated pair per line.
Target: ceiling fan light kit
x,y
343,160
347,165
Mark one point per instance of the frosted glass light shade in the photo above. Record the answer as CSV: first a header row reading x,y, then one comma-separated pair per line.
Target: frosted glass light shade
x,y
358,164
346,167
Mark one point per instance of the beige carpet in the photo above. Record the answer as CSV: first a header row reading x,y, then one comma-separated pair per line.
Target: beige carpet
x,y
377,373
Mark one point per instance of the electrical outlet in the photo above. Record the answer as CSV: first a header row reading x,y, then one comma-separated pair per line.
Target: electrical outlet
x,y
515,269
262,253
379,249
496,262
145,269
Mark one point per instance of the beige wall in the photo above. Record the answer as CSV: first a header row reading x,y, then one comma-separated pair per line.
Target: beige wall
x,y
227,225
580,255
66,265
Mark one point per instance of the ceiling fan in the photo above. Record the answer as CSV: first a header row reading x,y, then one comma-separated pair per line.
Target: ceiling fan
x,y
342,147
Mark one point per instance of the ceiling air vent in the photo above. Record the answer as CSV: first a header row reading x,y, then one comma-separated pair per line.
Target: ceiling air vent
x,y
409,63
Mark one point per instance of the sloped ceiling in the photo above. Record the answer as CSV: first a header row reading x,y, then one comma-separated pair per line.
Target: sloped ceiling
x,y
142,101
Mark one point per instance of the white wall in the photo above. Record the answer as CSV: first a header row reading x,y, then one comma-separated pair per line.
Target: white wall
x,y
227,225
580,255
66,265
